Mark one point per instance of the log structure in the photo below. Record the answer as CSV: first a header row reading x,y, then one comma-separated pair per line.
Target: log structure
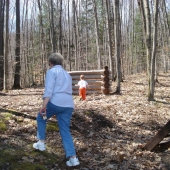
x,y
98,81
105,88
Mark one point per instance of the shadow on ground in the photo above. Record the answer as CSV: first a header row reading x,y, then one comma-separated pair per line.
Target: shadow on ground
x,y
17,152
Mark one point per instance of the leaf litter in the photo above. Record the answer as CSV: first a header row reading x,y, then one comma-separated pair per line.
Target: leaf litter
x,y
109,132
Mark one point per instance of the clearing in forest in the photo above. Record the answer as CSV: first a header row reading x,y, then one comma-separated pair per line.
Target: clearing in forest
x,y
109,131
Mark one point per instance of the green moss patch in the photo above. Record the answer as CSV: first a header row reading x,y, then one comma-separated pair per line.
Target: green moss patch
x,y
15,158
3,126
88,112
20,119
6,115
52,127
28,166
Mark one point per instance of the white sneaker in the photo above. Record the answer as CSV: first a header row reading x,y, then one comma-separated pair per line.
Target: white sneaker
x,y
40,146
73,162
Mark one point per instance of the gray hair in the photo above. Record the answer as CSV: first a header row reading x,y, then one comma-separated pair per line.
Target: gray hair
x,y
56,59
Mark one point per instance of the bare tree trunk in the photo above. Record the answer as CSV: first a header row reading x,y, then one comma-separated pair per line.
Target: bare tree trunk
x,y
29,39
166,17
148,36
75,33
23,33
6,85
17,49
41,38
152,78
97,35
165,33
108,26
117,43
151,53
2,4
60,34
52,29
125,64
69,53
79,52
87,42
146,17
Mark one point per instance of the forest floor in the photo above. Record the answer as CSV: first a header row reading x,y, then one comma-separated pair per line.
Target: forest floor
x,y
109,132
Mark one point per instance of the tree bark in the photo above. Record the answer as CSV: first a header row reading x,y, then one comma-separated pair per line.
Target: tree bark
x,y
2,5
146,16
42,39
75,33
117,43
52,29
69,52
108,26
17,49
152,76
87,41
97,35
60,34
6,85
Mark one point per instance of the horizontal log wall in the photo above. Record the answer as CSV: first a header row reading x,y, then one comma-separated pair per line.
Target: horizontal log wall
x,y
95,79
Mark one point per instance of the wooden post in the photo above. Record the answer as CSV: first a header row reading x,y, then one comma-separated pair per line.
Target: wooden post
x,y
105,85
158,137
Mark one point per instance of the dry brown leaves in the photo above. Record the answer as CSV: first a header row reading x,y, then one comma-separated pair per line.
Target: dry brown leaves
x,y
109,131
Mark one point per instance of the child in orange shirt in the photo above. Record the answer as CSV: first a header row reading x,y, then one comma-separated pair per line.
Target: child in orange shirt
x,y
82,88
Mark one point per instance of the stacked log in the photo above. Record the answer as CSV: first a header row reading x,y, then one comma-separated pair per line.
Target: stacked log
x,y
105,88
98,81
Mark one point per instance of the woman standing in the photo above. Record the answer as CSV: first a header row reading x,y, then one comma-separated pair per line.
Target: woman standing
x,y
57,100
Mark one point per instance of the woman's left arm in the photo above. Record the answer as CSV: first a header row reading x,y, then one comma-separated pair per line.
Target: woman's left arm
x,y
49,86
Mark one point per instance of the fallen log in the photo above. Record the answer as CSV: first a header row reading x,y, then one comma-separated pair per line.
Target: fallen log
x,y
90,82
87,77
91,88
158,137
93,72
88,92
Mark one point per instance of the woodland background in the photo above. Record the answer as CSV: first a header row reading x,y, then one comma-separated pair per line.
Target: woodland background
x,y
130,37
109,131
